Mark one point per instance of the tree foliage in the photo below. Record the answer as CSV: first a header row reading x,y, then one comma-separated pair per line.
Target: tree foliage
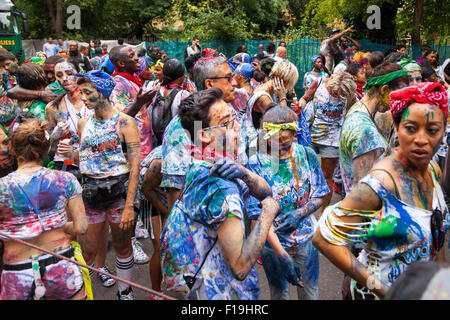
x,y
240,19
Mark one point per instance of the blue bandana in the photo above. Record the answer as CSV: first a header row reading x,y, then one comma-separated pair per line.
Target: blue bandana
x,y
313,59
245,70
101,80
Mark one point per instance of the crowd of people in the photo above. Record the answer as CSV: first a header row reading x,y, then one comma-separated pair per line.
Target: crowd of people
x,y
228,164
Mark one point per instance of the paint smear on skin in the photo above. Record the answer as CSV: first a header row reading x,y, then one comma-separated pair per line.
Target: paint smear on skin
x,y
406,115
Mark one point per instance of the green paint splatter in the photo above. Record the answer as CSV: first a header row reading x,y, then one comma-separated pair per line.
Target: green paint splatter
x,y
406,115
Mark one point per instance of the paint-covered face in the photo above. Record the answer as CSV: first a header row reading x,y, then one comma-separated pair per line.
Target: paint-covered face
x,y
281,143
420,133
65,74
49,70
360,76
415,77
6,156
225,138
91,97
239,79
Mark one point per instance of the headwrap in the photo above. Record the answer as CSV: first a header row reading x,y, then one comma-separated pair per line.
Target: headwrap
x,y
385,78
245,70
144,63
432,93
208,52
314,58
358,56
35,60
158,63
275,128
101,80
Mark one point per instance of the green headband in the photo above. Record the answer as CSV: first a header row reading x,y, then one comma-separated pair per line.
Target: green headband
x,y
385,78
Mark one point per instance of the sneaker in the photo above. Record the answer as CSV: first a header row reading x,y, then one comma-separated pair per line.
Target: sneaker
x,y
141,232
106,281
126,295
139,255
154,297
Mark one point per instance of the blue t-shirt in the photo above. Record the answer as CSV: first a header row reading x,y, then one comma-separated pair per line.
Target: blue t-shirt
x,y
207,202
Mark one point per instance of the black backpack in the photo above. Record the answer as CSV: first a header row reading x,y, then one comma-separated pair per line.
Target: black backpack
x,y
161,113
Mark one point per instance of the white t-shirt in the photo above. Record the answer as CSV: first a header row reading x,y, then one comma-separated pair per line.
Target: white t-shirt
x,y
49,49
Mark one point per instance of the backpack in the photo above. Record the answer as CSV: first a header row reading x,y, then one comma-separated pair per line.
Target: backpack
x,y
161,113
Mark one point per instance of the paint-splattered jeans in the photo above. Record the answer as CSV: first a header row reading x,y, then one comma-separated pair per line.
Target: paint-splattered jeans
x,y
307,257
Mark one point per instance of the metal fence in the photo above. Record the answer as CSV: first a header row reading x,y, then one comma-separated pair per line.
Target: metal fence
x,y
299,51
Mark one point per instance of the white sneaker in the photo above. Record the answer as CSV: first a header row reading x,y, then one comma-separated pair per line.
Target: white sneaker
x,y
139,255
141,232
126,295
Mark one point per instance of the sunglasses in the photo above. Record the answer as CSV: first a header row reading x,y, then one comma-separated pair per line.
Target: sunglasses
x,y
229,125
225,77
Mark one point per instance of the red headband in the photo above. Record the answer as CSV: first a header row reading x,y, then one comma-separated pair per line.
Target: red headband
x,y
432,93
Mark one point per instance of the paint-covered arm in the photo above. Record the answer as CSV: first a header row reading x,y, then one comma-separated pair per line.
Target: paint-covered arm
x,y
295,217
230,170
288,266
240,253
79,224
130,133
152,179
20,93
362,165
337,228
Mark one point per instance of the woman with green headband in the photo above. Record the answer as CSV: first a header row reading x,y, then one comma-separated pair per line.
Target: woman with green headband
x,y
413,68
299,186
362,142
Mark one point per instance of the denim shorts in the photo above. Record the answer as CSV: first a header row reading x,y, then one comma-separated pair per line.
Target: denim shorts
x,y
325,151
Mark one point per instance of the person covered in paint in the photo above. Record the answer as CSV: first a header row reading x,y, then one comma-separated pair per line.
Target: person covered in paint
x,y
128,95
105,137
213,208
172,93
330,49
243,75
64,113
151,177
359,76
414,70
282,79
208,72
32,77
362,142
294,174
42,207
158,74
311,76
332,97
8,161
398,210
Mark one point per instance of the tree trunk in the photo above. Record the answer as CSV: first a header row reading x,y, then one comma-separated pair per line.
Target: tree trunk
x,y
59,16
417,21
51,14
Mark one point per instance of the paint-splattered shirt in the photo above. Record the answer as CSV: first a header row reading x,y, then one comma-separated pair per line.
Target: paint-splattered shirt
x,y
329,115
294,182
33,203
191,230
124,94
359,136
394,237
310,77
101,153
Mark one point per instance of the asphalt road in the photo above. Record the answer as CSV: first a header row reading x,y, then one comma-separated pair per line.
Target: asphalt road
x,y
330,278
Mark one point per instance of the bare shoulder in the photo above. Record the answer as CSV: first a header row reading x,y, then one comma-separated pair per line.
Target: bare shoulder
x,y
386,172
125,121
437,170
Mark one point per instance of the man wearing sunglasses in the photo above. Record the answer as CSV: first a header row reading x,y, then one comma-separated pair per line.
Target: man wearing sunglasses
x,y
208,72
213,207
